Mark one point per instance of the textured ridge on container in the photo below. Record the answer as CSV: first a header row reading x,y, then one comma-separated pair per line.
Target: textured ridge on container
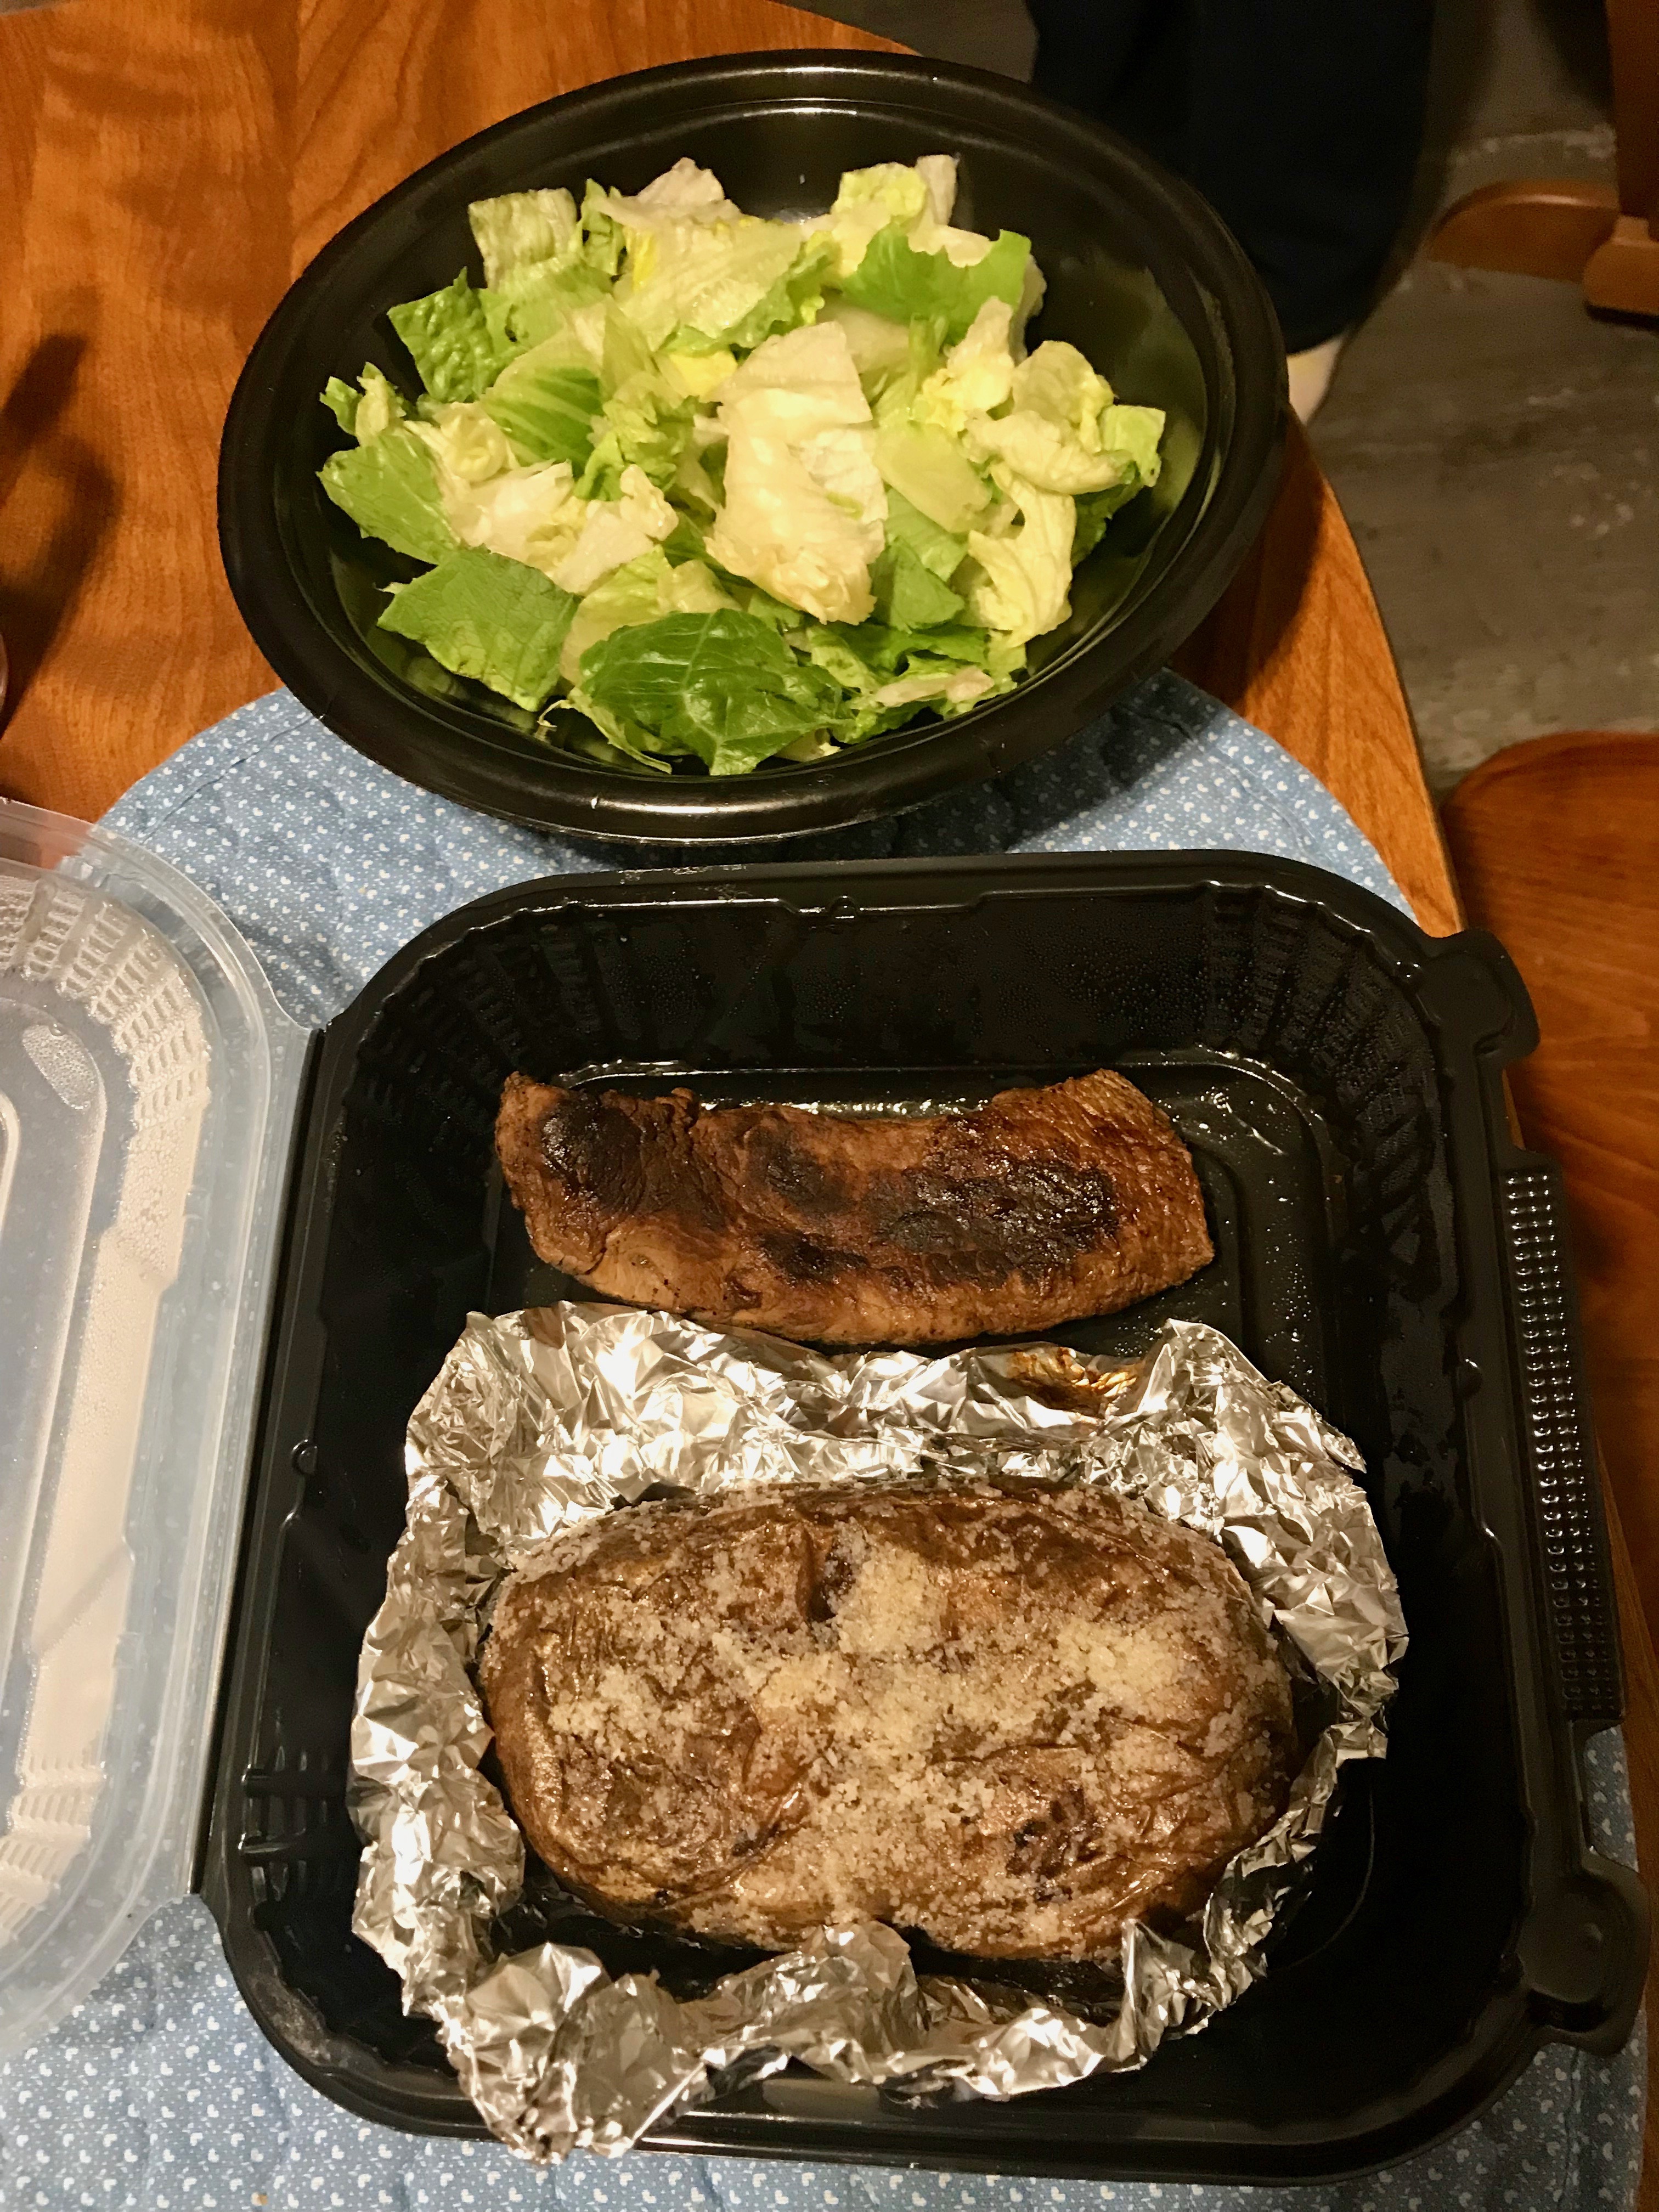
x,y
1583,1624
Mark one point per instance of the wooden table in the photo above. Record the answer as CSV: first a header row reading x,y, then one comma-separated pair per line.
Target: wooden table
x,y
167,166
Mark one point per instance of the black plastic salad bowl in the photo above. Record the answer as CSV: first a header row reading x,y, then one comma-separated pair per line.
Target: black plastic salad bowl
x,y
1142,278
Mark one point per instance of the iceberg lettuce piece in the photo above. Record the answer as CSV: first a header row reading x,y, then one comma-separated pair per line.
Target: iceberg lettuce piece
x,y
492,619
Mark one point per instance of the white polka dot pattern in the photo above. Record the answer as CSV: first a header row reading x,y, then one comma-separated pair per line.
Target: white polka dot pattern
x,y
329,863
159,2093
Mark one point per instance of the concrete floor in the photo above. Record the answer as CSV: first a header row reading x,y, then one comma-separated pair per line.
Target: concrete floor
x,y
1495,448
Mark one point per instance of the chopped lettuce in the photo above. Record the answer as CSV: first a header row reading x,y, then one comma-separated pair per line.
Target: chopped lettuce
x,y
545,402
495,620
804,503
639,592
614,531
931,471
391,489
723,685
896,280
1025,573
698,287
517,231
451,341
1065,433
733,488
374,406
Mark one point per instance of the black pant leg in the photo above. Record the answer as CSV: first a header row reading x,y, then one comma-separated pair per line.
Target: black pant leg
x,y
1300,120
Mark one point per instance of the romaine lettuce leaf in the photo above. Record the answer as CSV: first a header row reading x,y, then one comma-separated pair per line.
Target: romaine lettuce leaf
x,y
451,341
647,425
804,504
1095,509
722,684
907,595
342,400
1065,433
880,347
697,287
525,514
931,470
975,376
545,301
469,444
495,620
364,410
615,531
1025,575
545,402
894,279
391,490
517,231
939,552
638,593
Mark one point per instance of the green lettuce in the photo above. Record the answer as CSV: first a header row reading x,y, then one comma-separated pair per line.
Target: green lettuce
x,y
391,489
638,593
364,409
516,231
723,685
909,596
894,279
1065,432
929,469
545,402
480,615
451,341
1025,573
544,302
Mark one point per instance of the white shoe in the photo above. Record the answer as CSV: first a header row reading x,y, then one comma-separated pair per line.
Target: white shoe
x,y
1310,375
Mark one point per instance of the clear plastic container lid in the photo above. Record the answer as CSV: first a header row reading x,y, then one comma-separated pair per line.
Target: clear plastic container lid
x,y
147,1087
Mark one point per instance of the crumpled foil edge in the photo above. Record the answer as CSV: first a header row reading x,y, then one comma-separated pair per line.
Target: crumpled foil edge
x,y
541,1421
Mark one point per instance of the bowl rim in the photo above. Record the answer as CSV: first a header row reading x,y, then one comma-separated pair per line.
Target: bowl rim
x,y
410,737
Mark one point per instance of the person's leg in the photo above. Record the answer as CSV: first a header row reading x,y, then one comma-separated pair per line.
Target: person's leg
x,y
1300,120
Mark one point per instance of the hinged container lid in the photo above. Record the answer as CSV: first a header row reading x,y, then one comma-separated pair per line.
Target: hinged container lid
x,y
147,1087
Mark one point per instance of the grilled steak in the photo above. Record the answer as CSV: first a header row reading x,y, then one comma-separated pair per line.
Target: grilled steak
x,y
1040,1207
1012,1717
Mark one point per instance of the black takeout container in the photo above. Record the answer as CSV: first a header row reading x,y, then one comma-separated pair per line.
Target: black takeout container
x,y
1384,1248
1142,275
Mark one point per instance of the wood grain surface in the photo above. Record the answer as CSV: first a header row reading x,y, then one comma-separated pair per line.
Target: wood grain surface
x,y
1555,845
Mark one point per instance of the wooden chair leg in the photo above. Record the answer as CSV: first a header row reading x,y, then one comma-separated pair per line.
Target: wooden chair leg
x,y
1531,226
1578,233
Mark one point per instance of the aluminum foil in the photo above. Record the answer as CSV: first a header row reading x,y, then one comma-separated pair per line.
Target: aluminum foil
x,y
541,1421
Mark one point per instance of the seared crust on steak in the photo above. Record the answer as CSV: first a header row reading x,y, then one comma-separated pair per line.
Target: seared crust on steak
x,y
1012,1716
1038,1208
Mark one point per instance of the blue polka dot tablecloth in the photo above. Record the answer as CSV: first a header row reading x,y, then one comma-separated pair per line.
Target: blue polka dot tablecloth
x,y
159,2094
